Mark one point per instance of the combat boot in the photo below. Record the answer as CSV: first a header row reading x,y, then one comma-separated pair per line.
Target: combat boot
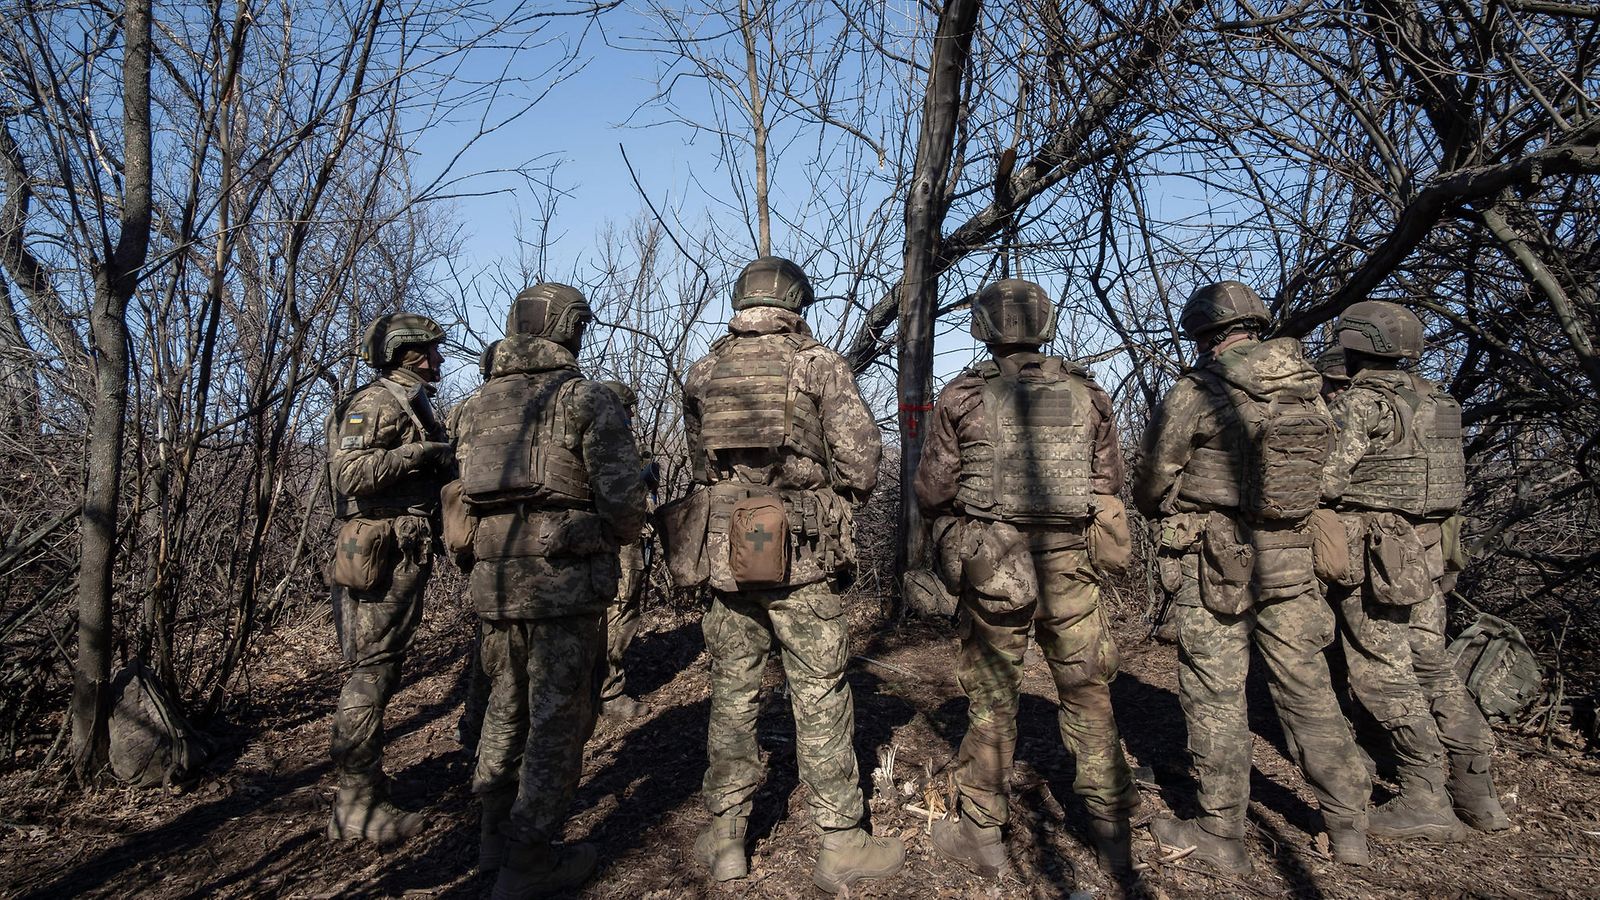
x,y
720,848
1349,847
491,833
1113,845
982,850
1474,797
852,854
1224,854
362,812
1421,811
623,708
539,870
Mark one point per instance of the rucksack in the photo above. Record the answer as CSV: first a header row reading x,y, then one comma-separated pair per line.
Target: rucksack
x,y
151,742
1288,439
1497,666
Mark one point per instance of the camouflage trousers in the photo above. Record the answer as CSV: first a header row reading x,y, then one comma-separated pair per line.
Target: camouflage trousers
x,y
810,628
1072,632
1213,661
622,621
1401,672
375,629
544,679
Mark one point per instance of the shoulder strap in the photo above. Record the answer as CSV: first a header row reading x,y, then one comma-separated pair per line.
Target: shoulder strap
x,y
400,396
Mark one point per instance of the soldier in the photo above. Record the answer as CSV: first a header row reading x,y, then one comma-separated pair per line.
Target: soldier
x,y
471,721
1396,475
546,469
388,458
1022,451
777,428
622,614
1231,465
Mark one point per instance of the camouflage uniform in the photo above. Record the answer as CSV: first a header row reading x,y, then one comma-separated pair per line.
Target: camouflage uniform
x,y
383,467
543,575
1188,478
805,615
1399,666
1071,627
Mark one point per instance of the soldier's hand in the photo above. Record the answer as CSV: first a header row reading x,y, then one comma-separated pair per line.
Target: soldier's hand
x,y
437,454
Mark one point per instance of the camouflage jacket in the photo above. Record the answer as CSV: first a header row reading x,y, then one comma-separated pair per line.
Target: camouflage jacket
x,y
507,584
854,444
958,418
378,465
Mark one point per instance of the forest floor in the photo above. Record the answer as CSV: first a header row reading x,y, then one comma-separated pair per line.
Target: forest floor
x,y
253,825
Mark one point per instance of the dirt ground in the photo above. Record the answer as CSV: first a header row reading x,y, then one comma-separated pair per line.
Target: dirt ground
x,y
253,826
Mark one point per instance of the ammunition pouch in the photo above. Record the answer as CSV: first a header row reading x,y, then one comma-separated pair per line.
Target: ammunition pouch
x,y
460,526
1109,541
1331,558
1451,545
1397,566
1227,564
364,555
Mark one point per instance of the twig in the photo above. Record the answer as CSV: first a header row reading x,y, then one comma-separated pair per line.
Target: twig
x,y
890,666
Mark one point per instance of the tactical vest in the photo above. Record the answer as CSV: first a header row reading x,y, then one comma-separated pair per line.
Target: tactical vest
x,y
518,445
416,496
1423,473
1034,467
1267,459
752,400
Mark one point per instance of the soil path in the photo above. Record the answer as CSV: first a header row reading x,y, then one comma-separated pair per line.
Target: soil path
x,y
254,826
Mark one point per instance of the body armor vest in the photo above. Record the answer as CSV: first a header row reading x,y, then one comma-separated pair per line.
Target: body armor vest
x,y
753,402
1423,473
1035,466
518,445
415,496
1267,459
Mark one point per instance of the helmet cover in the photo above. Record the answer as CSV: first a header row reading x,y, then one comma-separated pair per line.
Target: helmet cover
x,y
1380,328
1013,311
387,334
1214,307
550,310
772,281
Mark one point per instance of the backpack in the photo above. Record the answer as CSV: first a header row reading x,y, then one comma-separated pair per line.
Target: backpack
x,y
151,742
1497,666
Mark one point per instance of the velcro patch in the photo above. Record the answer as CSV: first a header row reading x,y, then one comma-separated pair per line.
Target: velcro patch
x,y
353,436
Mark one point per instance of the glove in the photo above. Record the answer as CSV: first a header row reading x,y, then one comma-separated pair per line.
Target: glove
x,y
437,454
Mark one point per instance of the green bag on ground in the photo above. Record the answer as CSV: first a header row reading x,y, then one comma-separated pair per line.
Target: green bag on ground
x,y
1497,666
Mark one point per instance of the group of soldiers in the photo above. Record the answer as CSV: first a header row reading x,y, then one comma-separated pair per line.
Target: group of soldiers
x,y
1281,515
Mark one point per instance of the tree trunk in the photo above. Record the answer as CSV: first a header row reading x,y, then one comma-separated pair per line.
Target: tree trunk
x,y
115,280
919,293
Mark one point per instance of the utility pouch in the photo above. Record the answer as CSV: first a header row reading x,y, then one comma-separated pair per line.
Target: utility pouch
x,y
1455,550
682,525
1227,562
1330,549
998,566
758,542
363,556
1109,540
947,534
460,525
1181,531
1397,567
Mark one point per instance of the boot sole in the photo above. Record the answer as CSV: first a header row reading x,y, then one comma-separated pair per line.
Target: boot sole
x,y
968,863
1442,834
1488,826
835,885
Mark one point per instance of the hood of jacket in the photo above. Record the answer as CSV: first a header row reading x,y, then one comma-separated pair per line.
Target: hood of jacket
x,y
1265,369
527,354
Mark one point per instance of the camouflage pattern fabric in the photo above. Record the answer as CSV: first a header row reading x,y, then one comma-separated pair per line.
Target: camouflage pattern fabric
x,y
1213,661
1065,612
379,462
544,679
810,629
622,620
1289,625
1076,640
1400,667
375,631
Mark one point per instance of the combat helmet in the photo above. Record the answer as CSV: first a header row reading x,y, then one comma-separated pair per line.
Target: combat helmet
x,y
1214,307
772,281
1013,311
1380,328
628,396
550,310
381,343
1331,364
